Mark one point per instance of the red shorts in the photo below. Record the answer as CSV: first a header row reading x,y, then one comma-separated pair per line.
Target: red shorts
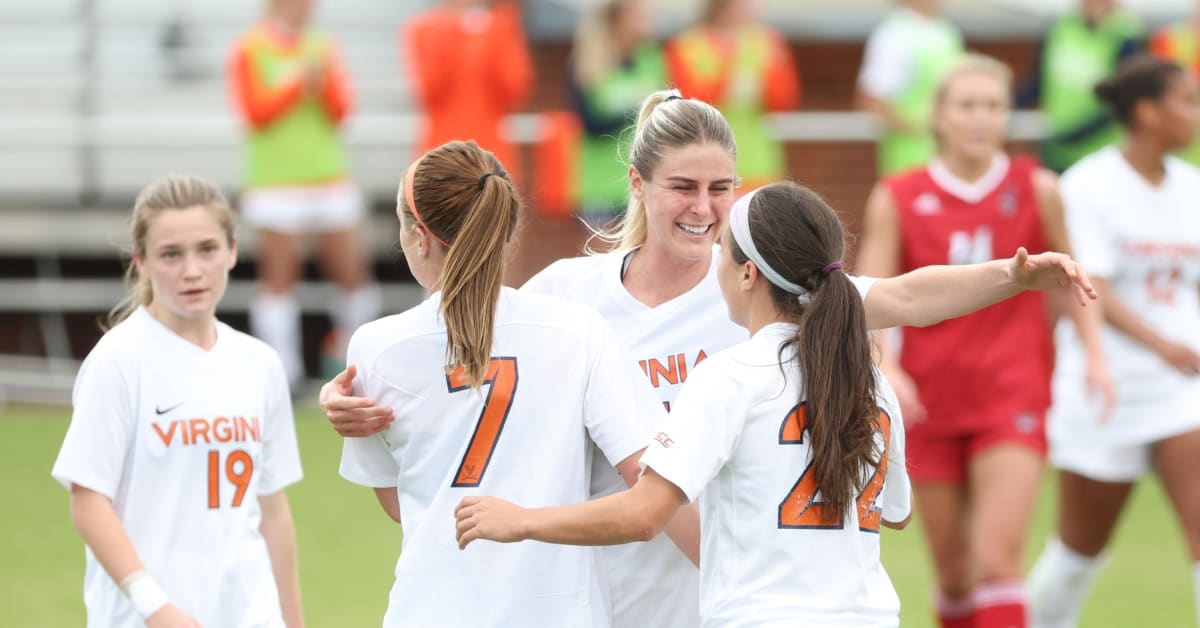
x,y
939,451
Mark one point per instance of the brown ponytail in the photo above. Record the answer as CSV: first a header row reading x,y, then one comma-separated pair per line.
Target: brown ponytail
x,y
800,236
465,198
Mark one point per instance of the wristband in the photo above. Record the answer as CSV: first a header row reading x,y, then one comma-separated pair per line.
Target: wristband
x,y
144,592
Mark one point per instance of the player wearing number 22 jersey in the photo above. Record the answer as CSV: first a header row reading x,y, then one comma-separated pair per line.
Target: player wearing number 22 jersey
x,y
983,378
183,441
558,379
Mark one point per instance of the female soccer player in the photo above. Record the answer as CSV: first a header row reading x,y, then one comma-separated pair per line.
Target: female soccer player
x,y
492,390
796,444
182,440
293,92
659,290
974,389
1131,211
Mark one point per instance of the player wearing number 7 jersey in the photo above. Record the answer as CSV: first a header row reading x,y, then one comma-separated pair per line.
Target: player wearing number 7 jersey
x,y
1131,212
492,390
181,439
792,442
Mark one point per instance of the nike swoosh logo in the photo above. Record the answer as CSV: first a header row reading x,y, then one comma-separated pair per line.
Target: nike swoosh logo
x,y
162,412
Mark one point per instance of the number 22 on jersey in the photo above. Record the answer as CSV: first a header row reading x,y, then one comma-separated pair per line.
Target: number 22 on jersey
x,y
801,510
501,380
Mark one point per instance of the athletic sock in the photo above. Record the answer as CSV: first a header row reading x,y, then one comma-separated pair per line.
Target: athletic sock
x,y
1059,584
999,604
275,319
954,613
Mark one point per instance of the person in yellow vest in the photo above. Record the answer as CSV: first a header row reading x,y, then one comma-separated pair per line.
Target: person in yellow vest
x,y
745,70
1181,43
614,64
902,64
1081,49
291,89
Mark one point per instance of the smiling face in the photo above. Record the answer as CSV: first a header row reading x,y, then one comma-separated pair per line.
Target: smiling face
x,y
186,257
687,199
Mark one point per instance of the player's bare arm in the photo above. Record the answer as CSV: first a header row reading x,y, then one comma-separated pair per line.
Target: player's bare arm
x,y
684,526
279,532
932,294
93,515
1180,356
637,514
352,416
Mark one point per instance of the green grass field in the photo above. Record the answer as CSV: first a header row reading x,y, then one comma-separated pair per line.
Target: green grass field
x,y
348,546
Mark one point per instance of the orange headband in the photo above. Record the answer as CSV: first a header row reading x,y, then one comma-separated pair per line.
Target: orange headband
x,y
412,206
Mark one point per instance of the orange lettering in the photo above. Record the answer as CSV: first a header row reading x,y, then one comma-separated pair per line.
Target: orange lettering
x,y
169,436
221,429
249,428
700,358
669,373
199,427
681,359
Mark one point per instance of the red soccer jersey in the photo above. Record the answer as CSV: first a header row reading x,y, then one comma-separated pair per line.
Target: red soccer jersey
x,y
993,365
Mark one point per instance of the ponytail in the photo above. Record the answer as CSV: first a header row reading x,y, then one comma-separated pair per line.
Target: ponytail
x,y
800,242
466,199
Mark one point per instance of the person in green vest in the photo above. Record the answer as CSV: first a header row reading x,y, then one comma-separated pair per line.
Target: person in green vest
x,y
744,69
1080,50
902,64
613,65
292,91
1181,43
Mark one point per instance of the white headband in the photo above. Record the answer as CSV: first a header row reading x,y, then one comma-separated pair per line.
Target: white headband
x,y
739,226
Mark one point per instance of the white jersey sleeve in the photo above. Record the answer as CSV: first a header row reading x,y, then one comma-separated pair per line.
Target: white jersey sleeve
x,y
863,285
896,499
701,432
102,424
619,402
366,460
887,62
1091,242
280,453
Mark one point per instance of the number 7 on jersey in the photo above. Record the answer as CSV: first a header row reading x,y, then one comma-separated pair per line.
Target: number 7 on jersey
x,y
501,381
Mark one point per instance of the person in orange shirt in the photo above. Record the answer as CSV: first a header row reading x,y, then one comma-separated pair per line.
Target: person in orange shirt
x,y
470,67
292,91
745,70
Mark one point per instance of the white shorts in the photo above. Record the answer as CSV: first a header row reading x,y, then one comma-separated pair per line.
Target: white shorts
x,y
303,208
1120,447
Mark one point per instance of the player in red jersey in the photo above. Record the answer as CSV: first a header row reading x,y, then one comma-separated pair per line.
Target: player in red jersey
x,y
974,389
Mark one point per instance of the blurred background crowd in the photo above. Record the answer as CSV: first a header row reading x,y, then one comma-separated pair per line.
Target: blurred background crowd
x,y
101,96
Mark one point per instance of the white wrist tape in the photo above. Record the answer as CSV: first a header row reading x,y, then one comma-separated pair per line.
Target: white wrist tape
x,y
144,592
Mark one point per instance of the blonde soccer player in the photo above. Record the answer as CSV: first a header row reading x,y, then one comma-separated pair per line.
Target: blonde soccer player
x,y
1131,213
182,440
492,390
658,289
794,446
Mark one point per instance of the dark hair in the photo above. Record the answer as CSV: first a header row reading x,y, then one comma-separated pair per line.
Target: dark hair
x,y
465,198
1140,77
799,235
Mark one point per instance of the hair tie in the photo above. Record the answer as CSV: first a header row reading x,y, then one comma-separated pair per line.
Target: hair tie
x,y
412,205
673,97
483,179
830,268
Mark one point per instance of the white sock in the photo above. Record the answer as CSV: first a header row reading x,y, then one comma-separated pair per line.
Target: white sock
x,y
1196,589
275,319
356,307
1059,584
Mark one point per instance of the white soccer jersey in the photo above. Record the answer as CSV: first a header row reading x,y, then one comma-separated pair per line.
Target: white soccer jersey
x,y
1146,242
558,376
183,441
653,583
737,439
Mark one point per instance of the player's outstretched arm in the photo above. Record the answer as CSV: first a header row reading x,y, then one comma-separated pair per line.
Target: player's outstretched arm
x,y
636,514
279,533
683,528
93,515
352,416
932,294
